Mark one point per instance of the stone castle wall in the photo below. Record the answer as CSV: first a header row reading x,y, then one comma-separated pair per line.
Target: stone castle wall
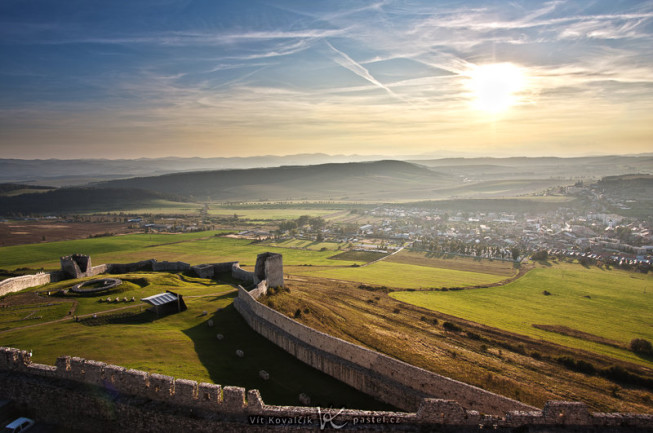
x,y
16,284
381,376
94,396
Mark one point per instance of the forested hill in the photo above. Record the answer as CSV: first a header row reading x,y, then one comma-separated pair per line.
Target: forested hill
x,y
69,200
379,180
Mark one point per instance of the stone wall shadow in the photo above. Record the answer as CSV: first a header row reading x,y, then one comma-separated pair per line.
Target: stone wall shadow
x,y
288,376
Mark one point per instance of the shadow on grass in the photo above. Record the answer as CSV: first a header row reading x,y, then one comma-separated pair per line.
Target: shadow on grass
x,y
289,377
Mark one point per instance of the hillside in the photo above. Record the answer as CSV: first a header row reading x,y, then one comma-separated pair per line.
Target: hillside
x,y
67,200
380,180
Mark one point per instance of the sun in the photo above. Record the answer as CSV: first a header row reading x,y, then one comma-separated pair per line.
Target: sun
x,y
495,87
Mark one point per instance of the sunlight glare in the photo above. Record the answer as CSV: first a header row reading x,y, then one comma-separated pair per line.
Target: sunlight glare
x,y
495,86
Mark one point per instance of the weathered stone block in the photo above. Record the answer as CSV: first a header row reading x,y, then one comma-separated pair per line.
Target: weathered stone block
x,y
185,391
63,366
113,374
134,382
565,412
434,410
94,372
254,401
42,370
233,399
77,368
160,387
209,395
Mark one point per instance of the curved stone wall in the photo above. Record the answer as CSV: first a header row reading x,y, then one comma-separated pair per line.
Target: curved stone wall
x,y
376,374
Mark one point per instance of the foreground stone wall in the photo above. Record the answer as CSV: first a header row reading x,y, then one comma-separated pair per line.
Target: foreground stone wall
x,y
98,397
388,379
16,284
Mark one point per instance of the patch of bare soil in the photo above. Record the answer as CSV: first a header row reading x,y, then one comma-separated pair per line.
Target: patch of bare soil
x,y
30,232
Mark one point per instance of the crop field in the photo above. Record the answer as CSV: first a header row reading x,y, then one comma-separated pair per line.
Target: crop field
x,y
611,304
180,345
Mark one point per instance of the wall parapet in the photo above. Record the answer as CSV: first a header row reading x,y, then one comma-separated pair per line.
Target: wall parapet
x,y
236,402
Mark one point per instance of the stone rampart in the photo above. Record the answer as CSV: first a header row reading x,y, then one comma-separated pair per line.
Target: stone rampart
x,y
16,284
111,398
170,266
240,274
123,268
381,376
209,270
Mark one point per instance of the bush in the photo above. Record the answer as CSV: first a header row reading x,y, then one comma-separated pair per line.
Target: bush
x,y
473,335
639,345
540,255
448,326
579,366
546,293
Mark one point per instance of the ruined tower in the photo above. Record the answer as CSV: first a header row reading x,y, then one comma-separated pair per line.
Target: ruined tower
x,y
269,266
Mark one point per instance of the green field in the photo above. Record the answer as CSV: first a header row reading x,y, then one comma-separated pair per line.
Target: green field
x,y
180,345
402,275
193,248
612,304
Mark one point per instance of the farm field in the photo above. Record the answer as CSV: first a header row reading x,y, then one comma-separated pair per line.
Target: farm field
x,y
611,304
180,345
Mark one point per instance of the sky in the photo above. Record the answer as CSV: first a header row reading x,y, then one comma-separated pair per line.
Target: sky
x,y
153,78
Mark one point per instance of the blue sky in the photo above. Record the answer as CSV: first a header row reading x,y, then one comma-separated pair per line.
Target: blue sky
x,y
123,79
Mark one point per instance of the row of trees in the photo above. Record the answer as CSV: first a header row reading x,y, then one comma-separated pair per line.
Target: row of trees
x,y
315,223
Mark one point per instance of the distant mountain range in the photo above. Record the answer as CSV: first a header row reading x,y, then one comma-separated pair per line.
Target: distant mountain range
x,y
354,181
59,172
375,181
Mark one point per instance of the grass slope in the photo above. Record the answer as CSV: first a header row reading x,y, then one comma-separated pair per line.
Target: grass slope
x,y
179,345
402,275
613,304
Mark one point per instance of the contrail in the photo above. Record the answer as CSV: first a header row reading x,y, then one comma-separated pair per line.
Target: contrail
x,y
347,62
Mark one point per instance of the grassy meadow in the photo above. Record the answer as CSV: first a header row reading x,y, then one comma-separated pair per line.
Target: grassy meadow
x,y
612,304
180,345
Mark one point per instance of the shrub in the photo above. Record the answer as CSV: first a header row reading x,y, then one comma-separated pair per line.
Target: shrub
x,y
639,345
473,335
298,313
448,326
546,293
540,255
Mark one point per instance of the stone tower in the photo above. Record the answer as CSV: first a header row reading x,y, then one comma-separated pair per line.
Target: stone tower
x,y
269,266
